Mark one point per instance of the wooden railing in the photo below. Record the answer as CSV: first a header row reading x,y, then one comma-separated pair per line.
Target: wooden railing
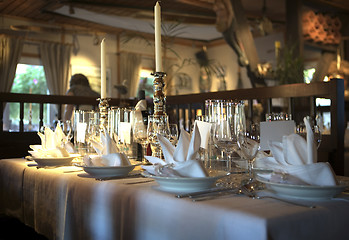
x,y
60,101
299,98
300,101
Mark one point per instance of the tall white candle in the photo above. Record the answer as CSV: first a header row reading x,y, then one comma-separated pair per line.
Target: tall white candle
x,y
157,23
103,71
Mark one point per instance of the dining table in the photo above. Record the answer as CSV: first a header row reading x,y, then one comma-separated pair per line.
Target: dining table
x,y
65,202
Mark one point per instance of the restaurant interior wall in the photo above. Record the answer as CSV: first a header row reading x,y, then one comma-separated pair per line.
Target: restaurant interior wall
x,y
89,55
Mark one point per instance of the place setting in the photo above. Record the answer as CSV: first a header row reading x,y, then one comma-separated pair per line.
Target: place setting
x,y
107,139
55,149
107,162
291,170
180,171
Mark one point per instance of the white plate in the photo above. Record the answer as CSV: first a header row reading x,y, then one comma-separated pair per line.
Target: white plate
x,y
186,184
309,192
59,161
115,171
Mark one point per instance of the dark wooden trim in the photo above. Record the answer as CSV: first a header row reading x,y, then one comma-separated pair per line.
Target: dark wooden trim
x,y
332,145
177,105
283,91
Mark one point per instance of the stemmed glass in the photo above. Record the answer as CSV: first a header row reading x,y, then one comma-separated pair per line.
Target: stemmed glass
x,y
157,124
222,139
67,130
249,144
173,133
140,135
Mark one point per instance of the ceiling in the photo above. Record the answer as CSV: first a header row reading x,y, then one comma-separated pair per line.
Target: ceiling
x,y
112,16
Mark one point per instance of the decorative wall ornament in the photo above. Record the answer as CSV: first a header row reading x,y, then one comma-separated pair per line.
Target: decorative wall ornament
x,y
321,28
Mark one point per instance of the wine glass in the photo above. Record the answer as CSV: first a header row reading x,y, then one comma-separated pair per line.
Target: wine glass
x,y
249,144
67,130
222,139
140,136
157,124
173,133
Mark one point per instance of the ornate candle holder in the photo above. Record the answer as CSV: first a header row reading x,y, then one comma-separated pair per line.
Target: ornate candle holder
x,y
103,113
159,117
159,98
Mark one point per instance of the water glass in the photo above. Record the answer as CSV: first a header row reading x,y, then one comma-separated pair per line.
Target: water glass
x,y
86,126
67,129
173,133
120,126
157,124
249,144
140,134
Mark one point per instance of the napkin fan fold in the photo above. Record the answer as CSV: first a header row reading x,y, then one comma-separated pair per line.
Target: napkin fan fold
x,y
179,161
52,144
294,161
108,153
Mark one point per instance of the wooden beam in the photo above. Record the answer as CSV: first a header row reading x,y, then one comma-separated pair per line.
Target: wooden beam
x,y
244,35
197,3
294,35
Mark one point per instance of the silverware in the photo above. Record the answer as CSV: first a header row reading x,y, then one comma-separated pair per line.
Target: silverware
x,y
118,177
72,171
252,194
204,192
139,182
48,167
214,195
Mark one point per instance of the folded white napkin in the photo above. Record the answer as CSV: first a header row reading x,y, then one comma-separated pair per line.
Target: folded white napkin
x,y
141,105
138,119
179,161
107,153
204,129
108,160
104,144
294,161
51,144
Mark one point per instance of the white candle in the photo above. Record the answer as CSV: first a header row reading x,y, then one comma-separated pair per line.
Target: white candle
x,y
157,23
103,71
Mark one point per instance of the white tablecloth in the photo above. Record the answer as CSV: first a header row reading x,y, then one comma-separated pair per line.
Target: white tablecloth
x,y
71,205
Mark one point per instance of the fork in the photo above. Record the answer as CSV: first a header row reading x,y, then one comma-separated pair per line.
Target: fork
x,y
253,195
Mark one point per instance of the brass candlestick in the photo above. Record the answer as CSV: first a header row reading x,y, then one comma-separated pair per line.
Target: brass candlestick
x,y
159,98
159,117
103,113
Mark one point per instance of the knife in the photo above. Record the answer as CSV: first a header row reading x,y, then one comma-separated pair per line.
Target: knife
x,y
205,192
118,177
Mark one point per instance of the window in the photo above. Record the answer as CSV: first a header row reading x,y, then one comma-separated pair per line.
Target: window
x,y
28,79
308,74
146,82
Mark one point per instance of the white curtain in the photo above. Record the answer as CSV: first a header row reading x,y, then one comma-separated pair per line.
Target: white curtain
x,y
129,72
11,49
56,61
